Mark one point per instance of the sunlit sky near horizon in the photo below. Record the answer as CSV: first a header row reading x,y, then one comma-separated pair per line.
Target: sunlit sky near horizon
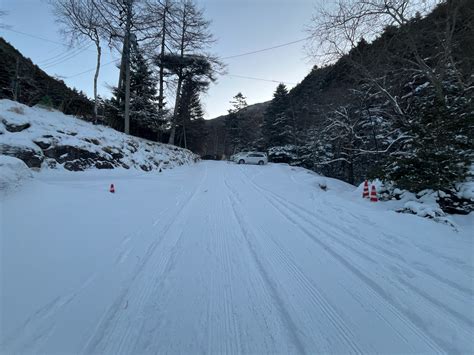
x,y
240,26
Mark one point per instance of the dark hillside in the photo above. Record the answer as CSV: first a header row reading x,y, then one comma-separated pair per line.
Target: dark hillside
x,y
20,77
387,106
216,142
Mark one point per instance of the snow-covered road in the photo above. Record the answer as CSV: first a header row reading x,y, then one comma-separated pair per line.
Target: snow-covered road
x,y
223,258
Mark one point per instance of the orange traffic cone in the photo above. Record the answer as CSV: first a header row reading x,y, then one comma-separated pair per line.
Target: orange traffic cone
x,y
365,194
112,188
373,194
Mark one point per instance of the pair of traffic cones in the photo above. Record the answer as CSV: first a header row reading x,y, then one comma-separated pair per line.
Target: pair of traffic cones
x,y
373,192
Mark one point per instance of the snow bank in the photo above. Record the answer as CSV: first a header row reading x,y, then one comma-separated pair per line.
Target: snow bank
x,y
316,180
432,204
13,172
48,138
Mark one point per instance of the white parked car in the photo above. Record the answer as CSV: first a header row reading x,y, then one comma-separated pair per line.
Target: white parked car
x,y
251,158
234,157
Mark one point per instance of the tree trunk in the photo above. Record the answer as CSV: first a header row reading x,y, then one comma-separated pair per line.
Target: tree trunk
x,y
128,28
162,55
96,77
180,81
175,111
172,134
127,91
350,172
184,133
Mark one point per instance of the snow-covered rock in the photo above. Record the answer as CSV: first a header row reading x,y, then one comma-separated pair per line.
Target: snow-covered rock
x,y
45,138
13,172
32,156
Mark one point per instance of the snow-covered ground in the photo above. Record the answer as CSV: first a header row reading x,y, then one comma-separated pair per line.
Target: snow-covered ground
x,y
223,258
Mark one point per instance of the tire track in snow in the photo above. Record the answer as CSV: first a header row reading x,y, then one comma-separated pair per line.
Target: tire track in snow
x,y
452,260
397,268
216,300
410,319
397,259
221,244
280,305
435,306
398,262
37,329
40,325
109,331
385,252
317,299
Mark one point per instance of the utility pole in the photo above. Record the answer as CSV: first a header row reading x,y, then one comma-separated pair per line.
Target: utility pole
x,y
126,50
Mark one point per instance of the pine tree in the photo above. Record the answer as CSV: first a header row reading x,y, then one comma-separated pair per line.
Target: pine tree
x,y
277,130
144,114
190,129
145,119
439,151
316,153
235,126
277,127
46,102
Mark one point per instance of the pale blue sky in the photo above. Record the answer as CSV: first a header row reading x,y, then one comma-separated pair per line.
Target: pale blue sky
x,y
239,25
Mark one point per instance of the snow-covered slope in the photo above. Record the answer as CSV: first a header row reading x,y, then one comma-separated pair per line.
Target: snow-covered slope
x,y
221,258
41,137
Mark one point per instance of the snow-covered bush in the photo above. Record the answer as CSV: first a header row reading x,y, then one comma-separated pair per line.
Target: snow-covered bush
x,y
282,154
423,209
466,190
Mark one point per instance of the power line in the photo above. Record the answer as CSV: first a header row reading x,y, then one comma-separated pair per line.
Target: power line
x,y
60,55
92,69
231,75
267,49
36,37
228,57
58,59
75,53
260,79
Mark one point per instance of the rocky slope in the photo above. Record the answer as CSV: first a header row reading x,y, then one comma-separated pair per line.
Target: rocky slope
x,y
45,138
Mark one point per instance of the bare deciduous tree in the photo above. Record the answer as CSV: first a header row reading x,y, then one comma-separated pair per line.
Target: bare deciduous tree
x,y
79,20
338,31
161,24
